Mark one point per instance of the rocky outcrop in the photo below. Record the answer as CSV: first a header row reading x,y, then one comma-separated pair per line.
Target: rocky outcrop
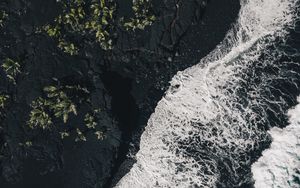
x,y
124,83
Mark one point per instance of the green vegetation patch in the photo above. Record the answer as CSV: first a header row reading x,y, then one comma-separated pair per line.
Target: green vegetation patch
x,y
83,18
39,116
94,19
59,105
143,16
11,68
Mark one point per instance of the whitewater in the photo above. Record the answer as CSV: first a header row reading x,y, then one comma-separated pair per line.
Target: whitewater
x,y
280,165
214,120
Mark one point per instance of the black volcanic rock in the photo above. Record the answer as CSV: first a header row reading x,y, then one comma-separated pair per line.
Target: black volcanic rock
x,y
125,83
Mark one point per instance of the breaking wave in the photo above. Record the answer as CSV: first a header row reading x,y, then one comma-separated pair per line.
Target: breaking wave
x,y
280,165
212,123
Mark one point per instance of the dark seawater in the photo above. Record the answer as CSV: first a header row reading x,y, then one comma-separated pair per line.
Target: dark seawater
x,y
288,88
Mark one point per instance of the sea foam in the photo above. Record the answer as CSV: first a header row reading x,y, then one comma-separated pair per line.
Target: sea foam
x,y
280,165
215,115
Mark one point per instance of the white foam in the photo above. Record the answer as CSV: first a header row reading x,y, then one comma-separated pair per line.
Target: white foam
x,y
201,110
278,166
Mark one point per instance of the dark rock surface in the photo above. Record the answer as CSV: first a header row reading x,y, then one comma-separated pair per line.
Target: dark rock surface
x,y
125,83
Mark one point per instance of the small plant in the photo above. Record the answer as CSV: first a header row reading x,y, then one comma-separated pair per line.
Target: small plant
x,y
80,136
26,144
100,135
11,68
3,17
68,47
52,31
64,134
3,100
91,123
142,15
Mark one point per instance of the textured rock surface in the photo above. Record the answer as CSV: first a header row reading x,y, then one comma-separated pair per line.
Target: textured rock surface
x,y
125,83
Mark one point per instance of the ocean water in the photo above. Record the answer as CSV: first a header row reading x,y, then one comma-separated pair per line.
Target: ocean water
x,y
213,122
280,164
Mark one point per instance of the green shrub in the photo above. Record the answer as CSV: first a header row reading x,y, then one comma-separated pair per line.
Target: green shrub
x,y
68,47
100,135
80,136
11,68
90,121
64,134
